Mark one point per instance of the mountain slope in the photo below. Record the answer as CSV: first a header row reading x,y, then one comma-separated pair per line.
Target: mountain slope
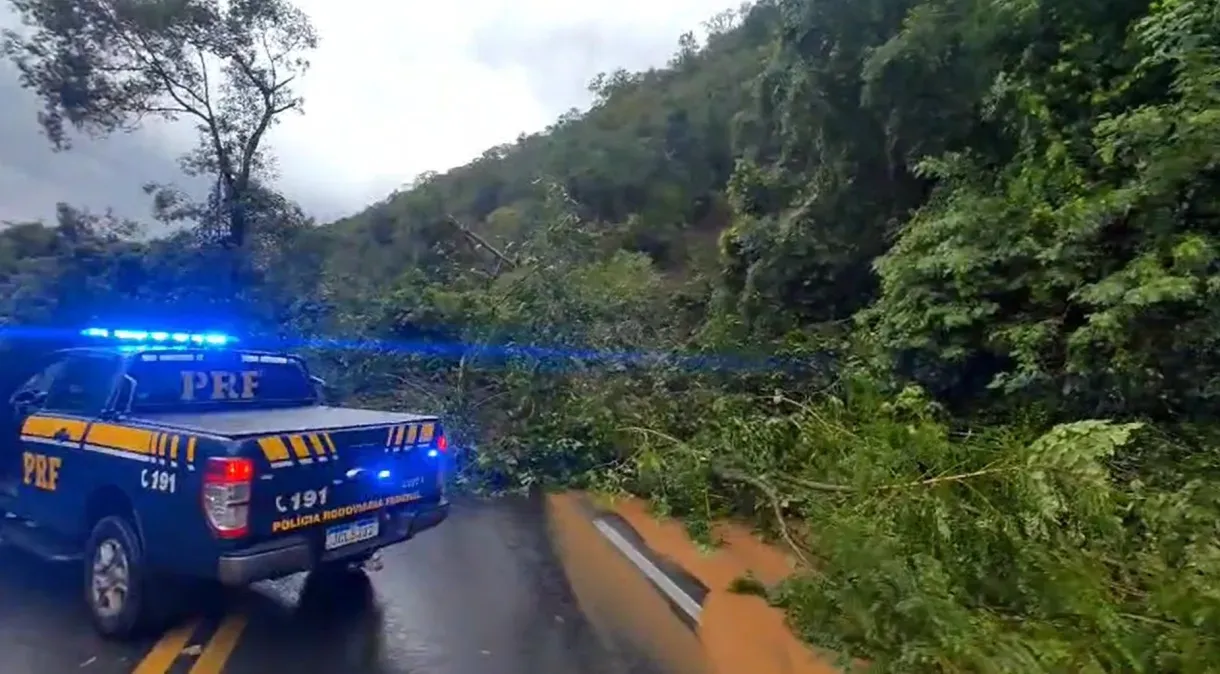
x,y
653,155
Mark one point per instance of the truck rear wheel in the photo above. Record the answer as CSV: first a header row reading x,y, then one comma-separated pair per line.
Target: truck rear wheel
x,y
116,581
334,589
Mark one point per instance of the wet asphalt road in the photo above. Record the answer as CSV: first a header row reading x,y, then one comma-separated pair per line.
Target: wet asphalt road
x,y
44,626
484,592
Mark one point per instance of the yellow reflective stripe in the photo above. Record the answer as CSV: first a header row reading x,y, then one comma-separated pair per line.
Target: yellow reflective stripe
x,y
142,441
412,431
137,440
41,427
47,427
75,428
316,444
425,433
330,444
273,448
298,446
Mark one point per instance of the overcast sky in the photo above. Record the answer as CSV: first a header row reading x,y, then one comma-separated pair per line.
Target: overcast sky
x,y
397,88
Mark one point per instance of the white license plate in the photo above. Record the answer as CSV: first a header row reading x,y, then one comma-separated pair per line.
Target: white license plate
x,y
354,532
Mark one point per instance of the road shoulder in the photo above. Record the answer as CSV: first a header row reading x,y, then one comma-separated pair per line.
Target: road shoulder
x,y
735,632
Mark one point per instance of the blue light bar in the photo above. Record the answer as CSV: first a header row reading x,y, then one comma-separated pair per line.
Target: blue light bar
x,y
161,337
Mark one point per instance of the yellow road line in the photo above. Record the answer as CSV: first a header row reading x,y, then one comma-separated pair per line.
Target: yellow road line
x,y
163,654
214,656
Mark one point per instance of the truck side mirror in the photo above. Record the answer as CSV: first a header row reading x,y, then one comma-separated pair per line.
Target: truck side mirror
x,y
27,400
319,389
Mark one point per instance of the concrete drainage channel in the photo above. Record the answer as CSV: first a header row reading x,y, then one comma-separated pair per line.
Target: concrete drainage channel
x,y
644,587
683,592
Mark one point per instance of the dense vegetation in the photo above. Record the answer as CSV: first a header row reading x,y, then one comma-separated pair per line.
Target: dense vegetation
x,y
930,288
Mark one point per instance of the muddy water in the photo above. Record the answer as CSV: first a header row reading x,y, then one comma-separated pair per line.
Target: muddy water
x,y
736,633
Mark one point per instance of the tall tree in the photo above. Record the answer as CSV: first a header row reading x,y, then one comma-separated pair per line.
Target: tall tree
x,y
102,66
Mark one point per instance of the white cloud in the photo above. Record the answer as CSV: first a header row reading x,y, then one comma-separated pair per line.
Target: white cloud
x,y
400,87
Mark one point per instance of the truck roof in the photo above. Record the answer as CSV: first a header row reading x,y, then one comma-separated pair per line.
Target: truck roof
x,y
131,351
244,423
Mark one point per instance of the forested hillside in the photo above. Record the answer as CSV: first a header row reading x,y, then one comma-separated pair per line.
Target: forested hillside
x,y
928,288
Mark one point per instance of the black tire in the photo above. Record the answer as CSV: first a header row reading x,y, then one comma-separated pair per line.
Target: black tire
x,y
333,590
139,608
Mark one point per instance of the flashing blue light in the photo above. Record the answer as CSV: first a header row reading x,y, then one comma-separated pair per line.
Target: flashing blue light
x,y
431,453
203,338
383,475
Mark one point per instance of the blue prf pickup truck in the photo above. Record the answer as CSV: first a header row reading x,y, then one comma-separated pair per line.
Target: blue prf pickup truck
x,y
156,457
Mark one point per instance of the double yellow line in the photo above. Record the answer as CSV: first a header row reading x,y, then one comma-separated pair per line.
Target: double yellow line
x,y
212,658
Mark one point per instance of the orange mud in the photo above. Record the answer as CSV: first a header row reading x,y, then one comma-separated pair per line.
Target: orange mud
x,y
623,607
737,633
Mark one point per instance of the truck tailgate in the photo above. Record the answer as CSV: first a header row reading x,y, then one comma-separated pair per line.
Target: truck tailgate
x,y
318,467
333,476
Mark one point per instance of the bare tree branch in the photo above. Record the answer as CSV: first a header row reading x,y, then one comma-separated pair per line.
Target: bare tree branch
x,y
102,66
481,242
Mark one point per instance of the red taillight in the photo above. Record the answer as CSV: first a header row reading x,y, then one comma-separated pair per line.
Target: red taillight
x,y
442,445
227,482
228,471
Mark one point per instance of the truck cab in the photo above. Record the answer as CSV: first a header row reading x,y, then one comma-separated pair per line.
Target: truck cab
x,y
156,457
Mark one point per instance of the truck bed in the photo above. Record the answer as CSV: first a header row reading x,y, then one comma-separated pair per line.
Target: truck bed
x,y
244,423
